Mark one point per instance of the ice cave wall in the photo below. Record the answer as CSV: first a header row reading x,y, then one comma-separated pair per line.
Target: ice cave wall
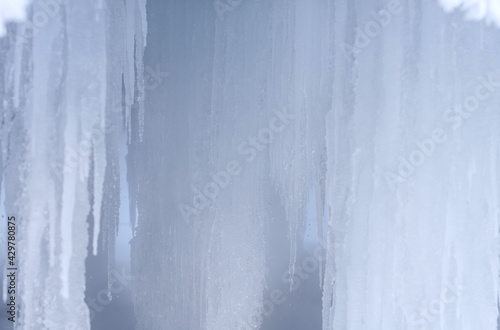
x,y
387,110
412,172
68,86
231,88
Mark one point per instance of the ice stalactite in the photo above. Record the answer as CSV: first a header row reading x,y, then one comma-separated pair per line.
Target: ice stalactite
x,y
233,115
49,194
142,80
412,142
66,84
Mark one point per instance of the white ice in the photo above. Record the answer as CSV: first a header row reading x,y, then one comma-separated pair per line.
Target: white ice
x,y
383,116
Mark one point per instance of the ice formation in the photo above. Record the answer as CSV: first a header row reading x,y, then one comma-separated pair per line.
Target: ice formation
x,y
235,114
68,79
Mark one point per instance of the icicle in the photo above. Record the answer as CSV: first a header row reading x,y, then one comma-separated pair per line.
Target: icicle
x,y
140,44
99,168
129,71
68,205
319,213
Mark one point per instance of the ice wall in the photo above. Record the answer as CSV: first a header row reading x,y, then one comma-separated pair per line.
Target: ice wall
x,y
234,112
233,135
68,80
412,188
385,92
